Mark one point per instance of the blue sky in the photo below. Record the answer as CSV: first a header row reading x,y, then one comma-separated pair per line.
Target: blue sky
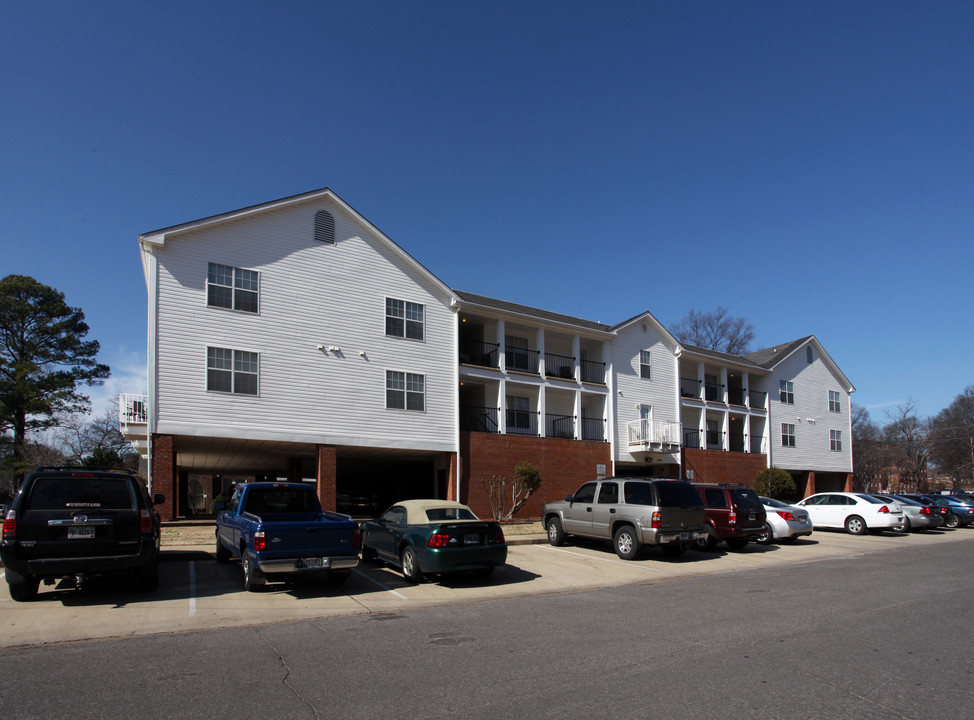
x,y
807,165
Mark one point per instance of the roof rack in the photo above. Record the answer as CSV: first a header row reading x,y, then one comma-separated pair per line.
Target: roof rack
x,y
86,468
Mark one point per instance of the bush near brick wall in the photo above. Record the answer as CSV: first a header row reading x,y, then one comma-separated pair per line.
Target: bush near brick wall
x,y
715,466
563,465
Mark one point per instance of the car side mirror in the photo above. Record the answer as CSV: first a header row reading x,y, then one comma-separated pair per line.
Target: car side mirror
x,y
569,499
158,499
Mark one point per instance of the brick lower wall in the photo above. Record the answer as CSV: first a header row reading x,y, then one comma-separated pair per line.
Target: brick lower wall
x,y
715,466
563,465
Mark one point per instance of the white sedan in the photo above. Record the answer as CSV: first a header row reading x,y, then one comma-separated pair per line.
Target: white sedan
x,y
785,523
856,512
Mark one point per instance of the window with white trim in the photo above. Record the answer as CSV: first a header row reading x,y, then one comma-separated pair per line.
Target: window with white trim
x,y
835,440
645,365
835,404
231,371
405,319
786,392
787,435
232,287
405,391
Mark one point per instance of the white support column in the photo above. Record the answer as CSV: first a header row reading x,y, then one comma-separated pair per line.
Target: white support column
x,y
724,388
542,364
502,354
502,404
577,362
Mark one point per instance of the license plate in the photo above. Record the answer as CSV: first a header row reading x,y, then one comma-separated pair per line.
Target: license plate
x,y
81,533
684,536
751,516
311,562
471,539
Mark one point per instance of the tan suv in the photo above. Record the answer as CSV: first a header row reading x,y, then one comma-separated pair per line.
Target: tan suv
x,y
632,512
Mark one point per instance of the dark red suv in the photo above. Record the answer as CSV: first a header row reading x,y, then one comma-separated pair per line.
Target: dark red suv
x,y
734,514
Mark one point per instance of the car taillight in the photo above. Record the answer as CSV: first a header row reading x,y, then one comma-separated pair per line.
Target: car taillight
x,y
657,520
357,538
786,515
884,509
924,511
260,541
732,517
496,537
10,525
438,540
145,522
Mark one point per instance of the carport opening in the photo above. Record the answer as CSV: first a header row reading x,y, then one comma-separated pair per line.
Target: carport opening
x,y
367,487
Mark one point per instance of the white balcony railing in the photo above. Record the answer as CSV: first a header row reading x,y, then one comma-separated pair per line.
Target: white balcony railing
x,y
132,410
654,433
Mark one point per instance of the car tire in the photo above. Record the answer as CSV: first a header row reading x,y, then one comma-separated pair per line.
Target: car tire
x,y
674,549
222,553
556,534
626,543
148,577
767,537
737,543
907,525
710,543
855,525
951,521
410,565
368,554
24,590
253,578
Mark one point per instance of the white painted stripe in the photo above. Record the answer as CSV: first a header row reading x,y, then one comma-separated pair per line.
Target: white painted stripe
x,y
626,563
384,587
192,588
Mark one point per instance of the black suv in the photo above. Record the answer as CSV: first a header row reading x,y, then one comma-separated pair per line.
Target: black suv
x,y
76,522
735,514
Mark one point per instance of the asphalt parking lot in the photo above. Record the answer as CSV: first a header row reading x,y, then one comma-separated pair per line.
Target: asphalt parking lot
x,y
197,593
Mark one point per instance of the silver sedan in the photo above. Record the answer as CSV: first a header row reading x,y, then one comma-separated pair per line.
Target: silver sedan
x,y
917,516
785,523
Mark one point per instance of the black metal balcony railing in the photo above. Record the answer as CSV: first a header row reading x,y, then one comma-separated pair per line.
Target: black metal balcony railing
x,y
559,366
474,418
759,400
561,426
689,388
593,429
757,445
522,359
714,393
480,353
522,422
735,396
691,439
737,443
593,372
715,439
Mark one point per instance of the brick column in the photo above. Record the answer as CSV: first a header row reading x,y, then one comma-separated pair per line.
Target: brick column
x,y
451,476
810,484
164,474
848,483
327,477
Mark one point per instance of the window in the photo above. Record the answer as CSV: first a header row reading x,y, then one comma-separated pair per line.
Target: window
x,y
518,413
405,391
516,353
231,371
835,440
645,367
787,392
404,319
324,227
787,435
231,287
715,498
609,494
834,404
585,494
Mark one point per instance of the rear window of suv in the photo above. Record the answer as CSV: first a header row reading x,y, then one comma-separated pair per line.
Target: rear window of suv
x,y
745,498
677,494
76,493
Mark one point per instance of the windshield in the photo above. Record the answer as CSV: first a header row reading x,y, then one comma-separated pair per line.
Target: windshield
x,y
70,493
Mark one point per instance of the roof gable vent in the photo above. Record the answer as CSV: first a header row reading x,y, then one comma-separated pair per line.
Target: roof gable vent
x,y
324,227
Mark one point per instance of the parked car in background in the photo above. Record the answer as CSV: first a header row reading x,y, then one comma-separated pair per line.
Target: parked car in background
x,y
784,523
960,512
949,519
734,515
425,537
916,515
856,513
77,522
632,512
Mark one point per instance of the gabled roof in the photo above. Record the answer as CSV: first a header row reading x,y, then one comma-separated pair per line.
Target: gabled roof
x,y
158,237
770,358
526,311
741,361
647,316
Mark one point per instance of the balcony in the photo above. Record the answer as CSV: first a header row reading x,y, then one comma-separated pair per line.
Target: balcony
x,y
593,429
483,354
593,372
474,418
559,366
653,435
522,360
133,421
560,426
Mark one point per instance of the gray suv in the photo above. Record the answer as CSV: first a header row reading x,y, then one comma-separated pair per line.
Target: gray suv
x,y
632,512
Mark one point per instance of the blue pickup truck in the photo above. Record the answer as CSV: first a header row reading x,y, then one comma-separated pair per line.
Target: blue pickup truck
x,y
278,530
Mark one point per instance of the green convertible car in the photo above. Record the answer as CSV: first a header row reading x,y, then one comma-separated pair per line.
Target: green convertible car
x,y
422,537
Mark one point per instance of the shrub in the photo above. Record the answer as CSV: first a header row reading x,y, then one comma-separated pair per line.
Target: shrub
x,y
774,483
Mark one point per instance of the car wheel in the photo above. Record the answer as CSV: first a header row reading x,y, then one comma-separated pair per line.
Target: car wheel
x,y
25,590
855,525
737,543
253,578
148,577
368,554
674,549
907,525
710,544
627,545
951,521
556,535
766,537
410,566
222,554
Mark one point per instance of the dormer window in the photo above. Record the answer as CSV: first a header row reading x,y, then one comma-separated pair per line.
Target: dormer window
x,y
324,227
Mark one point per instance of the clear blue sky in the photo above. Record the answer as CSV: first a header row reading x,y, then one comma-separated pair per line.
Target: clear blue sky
x,y
806,164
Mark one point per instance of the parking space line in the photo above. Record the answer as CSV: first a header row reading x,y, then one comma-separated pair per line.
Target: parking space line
x,y
384,587
192,588
624,563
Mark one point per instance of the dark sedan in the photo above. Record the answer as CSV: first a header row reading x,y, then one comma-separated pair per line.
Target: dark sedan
x,y
423,537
